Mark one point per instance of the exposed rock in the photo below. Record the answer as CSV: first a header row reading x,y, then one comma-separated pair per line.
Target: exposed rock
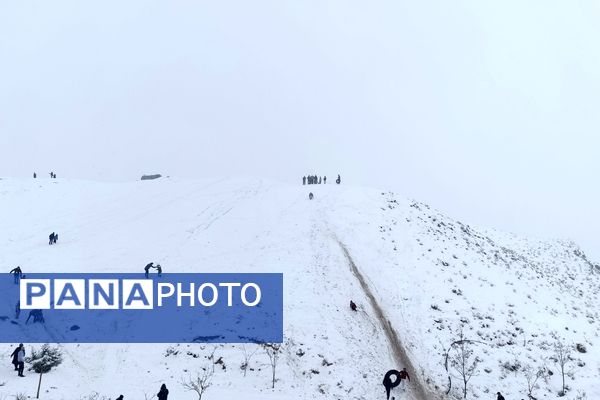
x,y
149,177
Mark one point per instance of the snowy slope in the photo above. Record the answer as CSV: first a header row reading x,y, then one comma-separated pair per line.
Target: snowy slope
x,y
424,273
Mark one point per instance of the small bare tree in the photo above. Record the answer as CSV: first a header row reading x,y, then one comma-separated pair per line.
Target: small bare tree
x,y
563,356
247,357
447,354
464,362
201,382
532,376
273,351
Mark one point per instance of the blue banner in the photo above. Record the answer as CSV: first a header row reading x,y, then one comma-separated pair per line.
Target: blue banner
x,y
132,308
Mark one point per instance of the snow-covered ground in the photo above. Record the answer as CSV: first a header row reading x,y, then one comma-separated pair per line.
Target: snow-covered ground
x,y
426,273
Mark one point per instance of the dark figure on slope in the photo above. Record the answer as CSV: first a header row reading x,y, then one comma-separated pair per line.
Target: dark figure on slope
x,y
18,310
17,274
404,377
388,383
53,238
147,268
159,268
120,397
338,180
34,175
164,392
352,305
38,316
21,360
310,196
500,397
304,180
15,356
324,180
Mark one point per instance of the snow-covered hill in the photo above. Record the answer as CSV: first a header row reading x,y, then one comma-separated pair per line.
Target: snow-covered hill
x,y
416,275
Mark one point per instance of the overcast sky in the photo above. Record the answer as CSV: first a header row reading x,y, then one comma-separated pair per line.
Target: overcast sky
x,y
488,110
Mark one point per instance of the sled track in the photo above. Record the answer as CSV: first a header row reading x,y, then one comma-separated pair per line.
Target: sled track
x,y
397,348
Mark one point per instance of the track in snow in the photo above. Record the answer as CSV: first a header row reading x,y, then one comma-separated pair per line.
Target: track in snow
x,y
398,351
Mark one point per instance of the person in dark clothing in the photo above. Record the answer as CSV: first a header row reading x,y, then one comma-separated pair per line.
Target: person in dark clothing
x,y
17,274
159,268
18,310
404,374
338,180
500,397
21,360
163,393
34,175
403,377
51,237
310,196
324,180
320,180
120,397
38,316
55,238
352,305
388,383
15,356
147,268
304,180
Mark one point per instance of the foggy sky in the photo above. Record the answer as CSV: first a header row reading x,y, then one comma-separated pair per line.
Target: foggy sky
x,y
489,111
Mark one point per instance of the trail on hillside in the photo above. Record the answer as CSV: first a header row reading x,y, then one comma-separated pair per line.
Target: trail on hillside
x,y
398,350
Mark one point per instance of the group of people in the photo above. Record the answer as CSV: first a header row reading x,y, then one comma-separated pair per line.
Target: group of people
x,y
317,180
314,180
401,377
52,175
162,394
151,265
53,238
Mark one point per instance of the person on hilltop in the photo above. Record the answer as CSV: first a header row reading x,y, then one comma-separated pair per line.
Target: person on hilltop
x,y
147,269
34,175
304,180
17,273
500,397
52,238
338,180
163,393
120,397
159,269
353,306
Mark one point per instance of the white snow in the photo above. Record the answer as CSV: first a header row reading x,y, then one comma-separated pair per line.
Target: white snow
x,y
426,271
